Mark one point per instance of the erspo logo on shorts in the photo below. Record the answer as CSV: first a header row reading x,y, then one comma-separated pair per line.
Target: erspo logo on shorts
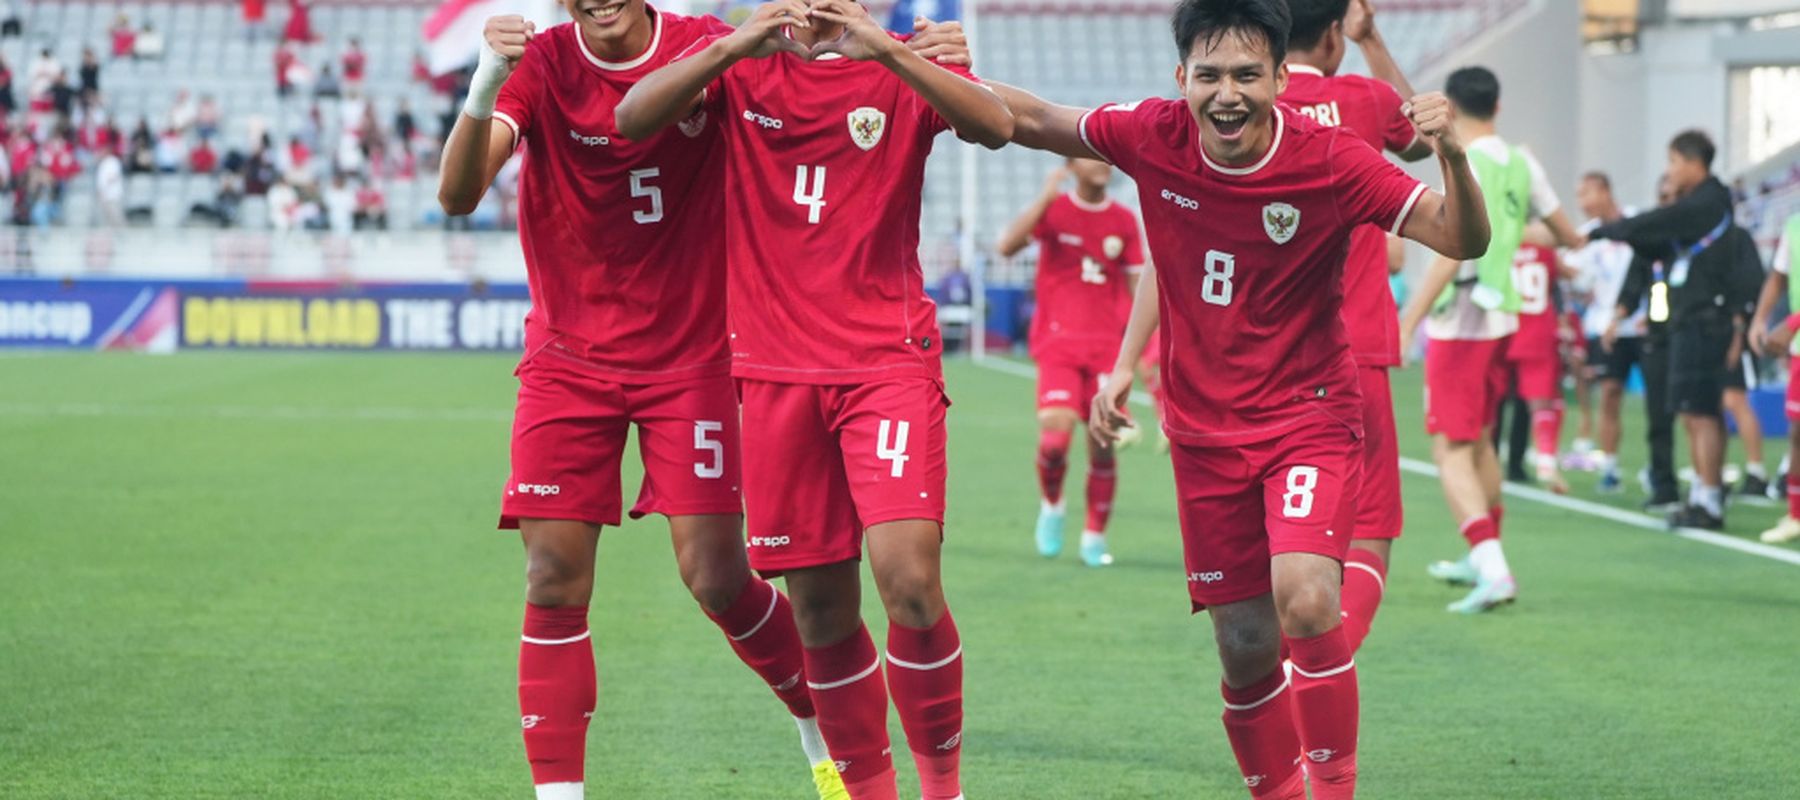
x,y
1205,577
770,541
539,489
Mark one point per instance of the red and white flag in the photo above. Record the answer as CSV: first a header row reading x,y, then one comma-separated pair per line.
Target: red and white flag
x,y
453,32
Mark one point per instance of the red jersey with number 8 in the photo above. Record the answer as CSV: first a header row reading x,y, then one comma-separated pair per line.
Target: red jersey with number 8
x,y
623,246
1249,265
825,168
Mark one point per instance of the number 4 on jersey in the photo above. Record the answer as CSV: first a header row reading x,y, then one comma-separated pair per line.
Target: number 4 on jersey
x,y
813,196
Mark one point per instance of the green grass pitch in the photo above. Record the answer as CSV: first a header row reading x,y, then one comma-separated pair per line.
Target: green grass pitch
x,y
276,576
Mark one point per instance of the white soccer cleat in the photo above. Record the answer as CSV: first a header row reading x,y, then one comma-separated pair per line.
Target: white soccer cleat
x,y
1128,436
1787,530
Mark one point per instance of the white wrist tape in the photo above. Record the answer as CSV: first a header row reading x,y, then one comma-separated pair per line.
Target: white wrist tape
x,y
491,73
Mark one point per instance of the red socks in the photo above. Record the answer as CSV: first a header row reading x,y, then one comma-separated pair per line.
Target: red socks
x,y
1497,514
1365,576
760,626
557,687
1052,463
1546,425
1325,711
1259,721
1102,480
1480,529
925,677
847,689
1793,484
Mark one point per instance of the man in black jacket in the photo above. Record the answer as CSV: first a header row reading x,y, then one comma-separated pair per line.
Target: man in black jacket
x,y
1705,306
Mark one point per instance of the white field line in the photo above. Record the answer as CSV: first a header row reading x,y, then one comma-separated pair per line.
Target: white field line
x,y
1579,506
304,413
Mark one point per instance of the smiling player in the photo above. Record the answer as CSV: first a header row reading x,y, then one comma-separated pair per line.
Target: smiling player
x,y
1249,208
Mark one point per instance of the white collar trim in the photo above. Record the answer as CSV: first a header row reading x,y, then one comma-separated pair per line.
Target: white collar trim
x,y
1087,206
1305,69
1274,145
656,27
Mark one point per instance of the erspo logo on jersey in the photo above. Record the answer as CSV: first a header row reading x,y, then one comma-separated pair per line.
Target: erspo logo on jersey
x,y
1179,200
769,123
590,141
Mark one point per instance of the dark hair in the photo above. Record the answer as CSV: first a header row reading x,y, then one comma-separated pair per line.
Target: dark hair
x,y
1312,18
1695,145
1599,177
1475,91
1213,19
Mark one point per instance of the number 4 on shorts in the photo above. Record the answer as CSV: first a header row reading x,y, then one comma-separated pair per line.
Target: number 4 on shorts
x,y
897,452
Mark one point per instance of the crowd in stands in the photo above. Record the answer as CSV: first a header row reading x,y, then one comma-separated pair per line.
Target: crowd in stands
x,y
314,175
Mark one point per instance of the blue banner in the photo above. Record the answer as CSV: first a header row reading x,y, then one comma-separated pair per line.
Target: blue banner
x,y
901,18
261,315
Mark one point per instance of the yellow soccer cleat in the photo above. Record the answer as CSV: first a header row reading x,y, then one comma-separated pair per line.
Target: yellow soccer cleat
x,y
828,782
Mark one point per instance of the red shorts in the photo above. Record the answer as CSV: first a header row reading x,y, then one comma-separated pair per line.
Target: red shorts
x,y
1465,381
569,433
1793,389
1065,384
1538,378
1242,505
824,463
1378,512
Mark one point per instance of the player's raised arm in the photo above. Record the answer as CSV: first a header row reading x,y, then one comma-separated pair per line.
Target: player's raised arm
x,y
670,93
1108,415
479,144
1018,234
1454,223
1359,26
1042,125
973,111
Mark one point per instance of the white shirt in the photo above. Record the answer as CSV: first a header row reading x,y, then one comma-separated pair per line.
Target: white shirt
x,y
1603,266
1463,320
109,179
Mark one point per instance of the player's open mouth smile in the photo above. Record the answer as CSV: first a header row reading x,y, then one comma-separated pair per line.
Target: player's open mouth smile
x,y
604,14
1228,123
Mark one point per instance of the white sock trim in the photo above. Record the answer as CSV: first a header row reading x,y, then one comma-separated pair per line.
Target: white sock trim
x,y
571,640
1348,665
774,597
1270,696
560,791
847,681
923,667
1374,573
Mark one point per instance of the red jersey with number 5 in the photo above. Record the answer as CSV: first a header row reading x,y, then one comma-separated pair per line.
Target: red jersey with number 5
x,y
1085,253
825,168
1534,274
622,240
1249,265
1372,110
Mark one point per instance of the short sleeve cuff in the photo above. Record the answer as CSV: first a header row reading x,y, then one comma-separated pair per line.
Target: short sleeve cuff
x,y
1412,200
1085,139
510,123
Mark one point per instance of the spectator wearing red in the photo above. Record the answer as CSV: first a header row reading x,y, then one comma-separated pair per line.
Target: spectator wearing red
x,y
255,13
124,37
203,159
299,156
285,59
371,207
356,64
299,24
9,102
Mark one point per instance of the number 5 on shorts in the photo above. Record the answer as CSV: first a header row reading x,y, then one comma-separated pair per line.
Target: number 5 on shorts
x,y
704,443
1298,502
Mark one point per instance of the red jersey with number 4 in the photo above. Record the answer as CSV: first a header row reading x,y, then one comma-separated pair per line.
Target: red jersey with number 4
x,y
1534,275
622,240
1085,253
1372,110
825,169
1249,265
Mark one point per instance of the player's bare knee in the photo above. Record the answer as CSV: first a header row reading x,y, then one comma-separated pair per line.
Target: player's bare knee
x,y
912,596
715,590
1248,648
1308,609
552,579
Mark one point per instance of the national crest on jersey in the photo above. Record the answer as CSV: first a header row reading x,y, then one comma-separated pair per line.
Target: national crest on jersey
x,y
866,126
1280,221
694,125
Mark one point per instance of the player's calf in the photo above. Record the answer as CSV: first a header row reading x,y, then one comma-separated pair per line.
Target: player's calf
x,y
557,681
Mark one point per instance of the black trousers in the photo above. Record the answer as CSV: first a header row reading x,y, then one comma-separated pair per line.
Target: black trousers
x,y
1661,418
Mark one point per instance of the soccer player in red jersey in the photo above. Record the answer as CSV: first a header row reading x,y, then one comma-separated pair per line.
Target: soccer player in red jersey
x,y
1535,352
827,121
1249,207
1089,258
626,263
1373,111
